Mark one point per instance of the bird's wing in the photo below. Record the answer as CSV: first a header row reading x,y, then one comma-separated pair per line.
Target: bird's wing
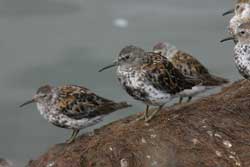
x,y
164,76
78,102
189,65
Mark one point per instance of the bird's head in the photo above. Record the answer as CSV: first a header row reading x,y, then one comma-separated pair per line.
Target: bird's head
x,y
43,95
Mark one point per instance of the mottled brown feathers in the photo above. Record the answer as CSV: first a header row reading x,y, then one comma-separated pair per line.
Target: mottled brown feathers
x,y
164,76
191,67
79,102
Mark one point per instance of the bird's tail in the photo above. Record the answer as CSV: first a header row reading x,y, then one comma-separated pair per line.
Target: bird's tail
x,y
111,107
213,80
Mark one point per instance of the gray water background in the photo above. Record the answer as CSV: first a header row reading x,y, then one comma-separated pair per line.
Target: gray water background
x,y
66,42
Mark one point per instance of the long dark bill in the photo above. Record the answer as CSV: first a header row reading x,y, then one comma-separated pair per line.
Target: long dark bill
x,y
28,102
109,66
227,39
228,12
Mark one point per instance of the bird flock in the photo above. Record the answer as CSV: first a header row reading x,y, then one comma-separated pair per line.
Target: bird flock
x,y
153,77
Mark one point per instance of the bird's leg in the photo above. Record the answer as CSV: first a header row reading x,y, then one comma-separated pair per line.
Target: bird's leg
x,y
145,115
154,113
73,136
76,133
235,41
189,99
180,100
146,112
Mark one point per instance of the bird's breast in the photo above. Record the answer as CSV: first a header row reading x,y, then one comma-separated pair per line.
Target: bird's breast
x,y
242,60
139,87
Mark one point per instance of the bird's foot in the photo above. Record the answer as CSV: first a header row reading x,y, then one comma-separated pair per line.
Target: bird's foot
x,y
148,119
153,114
70,140
142,117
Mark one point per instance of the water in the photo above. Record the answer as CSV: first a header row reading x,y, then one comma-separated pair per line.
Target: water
x,y
66,42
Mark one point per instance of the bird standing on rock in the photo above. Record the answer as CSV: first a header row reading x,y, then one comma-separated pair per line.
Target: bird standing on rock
x,y
72,107
189,66
149,77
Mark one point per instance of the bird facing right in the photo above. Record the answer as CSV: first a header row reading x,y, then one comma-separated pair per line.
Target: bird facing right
x,y
149,78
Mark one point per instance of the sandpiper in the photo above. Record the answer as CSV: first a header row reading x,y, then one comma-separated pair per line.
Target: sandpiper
x,y
149,77
242,49
189,66
5,163
242,14
72,107
239,7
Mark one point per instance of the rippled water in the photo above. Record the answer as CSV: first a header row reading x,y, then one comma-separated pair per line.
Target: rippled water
x,y
66,42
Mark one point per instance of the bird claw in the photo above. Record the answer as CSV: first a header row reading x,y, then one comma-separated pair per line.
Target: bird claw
x,y
143,117
149,119
69,141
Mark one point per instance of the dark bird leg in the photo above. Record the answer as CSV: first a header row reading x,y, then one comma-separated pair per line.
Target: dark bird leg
x,y
73,136
189,99
180,100
145,115
154,113
235,41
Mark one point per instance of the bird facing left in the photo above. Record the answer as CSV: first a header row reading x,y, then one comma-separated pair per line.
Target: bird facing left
x,y
72,107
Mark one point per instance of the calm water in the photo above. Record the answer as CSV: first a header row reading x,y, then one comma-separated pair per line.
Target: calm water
x,y
61,41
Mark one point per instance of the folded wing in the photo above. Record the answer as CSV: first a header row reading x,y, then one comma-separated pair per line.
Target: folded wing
x,y
78,102
164,76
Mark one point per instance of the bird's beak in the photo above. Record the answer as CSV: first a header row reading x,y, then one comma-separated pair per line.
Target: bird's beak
x,y
228,12
28,102
227,39
115,63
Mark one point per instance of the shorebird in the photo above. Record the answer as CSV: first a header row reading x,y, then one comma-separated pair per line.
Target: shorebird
x,y
242,14
242,49
149,78
190,67
72,107
239,7
5,163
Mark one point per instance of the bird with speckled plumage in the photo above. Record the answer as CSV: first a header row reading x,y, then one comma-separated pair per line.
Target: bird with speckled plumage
x,y
242,49
149,77
189,66
72,107
238,7
241,14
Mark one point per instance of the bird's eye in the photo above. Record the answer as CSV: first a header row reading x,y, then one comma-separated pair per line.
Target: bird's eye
x,y
159,52
43,95
126,57
237,7
242,32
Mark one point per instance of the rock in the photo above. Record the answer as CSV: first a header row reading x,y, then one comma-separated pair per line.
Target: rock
x,y
210,132
5,163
